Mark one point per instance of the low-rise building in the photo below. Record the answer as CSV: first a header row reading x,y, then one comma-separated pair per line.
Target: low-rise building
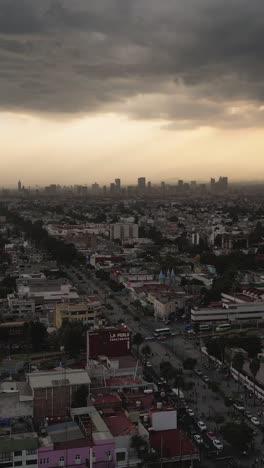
x,y
84,312
123,231
21,307
53,391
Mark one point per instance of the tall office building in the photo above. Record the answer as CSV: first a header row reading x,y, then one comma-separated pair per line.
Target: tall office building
x,y
112,188
19,186
141,183
212,184
118,185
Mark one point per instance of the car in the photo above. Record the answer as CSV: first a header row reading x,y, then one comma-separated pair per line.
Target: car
x,y
218,444
190,412
174,334
206,378
248,414
211,435
148,338
198,439
198,372
201,426
239,406
148,364
255,421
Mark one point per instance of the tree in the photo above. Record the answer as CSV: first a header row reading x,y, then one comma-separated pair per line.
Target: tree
x,y
238,436
254,367
140,445
189,363
146,351
72,337
80,397
37,335
238,363
167,371
137,341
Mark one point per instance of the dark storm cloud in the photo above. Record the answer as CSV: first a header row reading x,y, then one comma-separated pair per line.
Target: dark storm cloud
x,y
192,62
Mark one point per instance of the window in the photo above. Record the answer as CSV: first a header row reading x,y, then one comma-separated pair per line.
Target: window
x,y
18,453
7,465
61,461
120,456
5,456
31,462
78,460
18,463
31,452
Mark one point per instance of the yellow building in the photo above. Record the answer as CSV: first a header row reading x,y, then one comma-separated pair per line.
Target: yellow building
x,y
84,312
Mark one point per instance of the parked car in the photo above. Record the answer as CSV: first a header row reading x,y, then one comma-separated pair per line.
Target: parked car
x,y
206,378
148,364
239,406
211,435
198,439
201,426
218,444
255,421
198,372
248,414
190,411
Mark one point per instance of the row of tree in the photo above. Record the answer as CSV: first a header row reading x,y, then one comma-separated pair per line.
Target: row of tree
x,y
59,251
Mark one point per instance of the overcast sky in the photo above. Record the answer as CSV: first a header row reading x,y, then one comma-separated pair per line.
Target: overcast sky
x,y
96,89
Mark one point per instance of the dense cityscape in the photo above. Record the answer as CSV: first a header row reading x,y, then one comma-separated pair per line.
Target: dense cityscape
x,y
131,234
131,326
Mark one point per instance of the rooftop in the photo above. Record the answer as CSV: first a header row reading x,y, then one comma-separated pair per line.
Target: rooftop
x,y
119,424
173,443
56,378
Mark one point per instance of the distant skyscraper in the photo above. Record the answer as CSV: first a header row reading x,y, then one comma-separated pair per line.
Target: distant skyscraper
x,y
19,186
141,183
180,183
118,185
112,188
213,184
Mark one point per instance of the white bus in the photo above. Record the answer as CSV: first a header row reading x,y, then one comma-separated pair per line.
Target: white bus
x,y
223,327
162,331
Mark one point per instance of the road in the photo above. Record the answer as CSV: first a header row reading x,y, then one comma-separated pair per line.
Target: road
x,y
207,405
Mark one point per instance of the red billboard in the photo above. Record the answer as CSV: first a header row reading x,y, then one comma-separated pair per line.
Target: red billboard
x,y
109,342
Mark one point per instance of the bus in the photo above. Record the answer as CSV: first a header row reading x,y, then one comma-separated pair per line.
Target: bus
x,y
162,331
223,327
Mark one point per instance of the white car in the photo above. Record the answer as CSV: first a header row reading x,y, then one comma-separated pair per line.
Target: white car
x,y
255,421
148,364
239,407
190,411
218,445
201,426
198,439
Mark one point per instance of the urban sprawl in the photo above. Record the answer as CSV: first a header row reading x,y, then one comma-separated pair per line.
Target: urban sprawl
x,y
132,325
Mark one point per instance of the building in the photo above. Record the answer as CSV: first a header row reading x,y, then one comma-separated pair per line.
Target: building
x,y
19,186
84,312
16,400
21,307
44,290
166,303
141,183
84,441
18,444
233,312
123,231
53,391
118,185
109,342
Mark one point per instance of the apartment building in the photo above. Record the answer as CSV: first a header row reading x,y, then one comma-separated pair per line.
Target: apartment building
x,y
123,231
84,312
21,307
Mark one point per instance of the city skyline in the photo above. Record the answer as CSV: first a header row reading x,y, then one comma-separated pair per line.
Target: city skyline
x,y
92,89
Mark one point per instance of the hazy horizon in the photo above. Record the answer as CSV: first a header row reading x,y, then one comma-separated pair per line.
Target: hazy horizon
x,y
91,91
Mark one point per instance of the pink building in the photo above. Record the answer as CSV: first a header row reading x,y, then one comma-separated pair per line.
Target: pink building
x,y
85,441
